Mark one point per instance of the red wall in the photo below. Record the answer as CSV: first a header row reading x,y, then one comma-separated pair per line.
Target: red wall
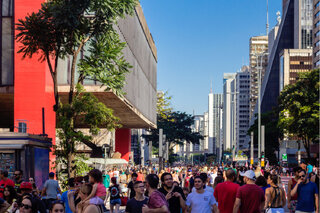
x,y
123,143
33,85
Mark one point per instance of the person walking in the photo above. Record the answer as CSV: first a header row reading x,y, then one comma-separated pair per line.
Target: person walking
x,y
225,193
114,192
201,200
135,204
250,197
174,194
50,190
131,191
308,194
18,180
292,200
275,196
5,181
64,196
157,201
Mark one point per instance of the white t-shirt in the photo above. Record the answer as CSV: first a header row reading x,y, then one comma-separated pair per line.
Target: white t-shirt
x,y
213,177
201,202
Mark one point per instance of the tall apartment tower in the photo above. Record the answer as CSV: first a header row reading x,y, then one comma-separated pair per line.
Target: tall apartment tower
x,y
316,34
214,120
206,131
217,116
242,108
258,46
303,24
210,123
229,107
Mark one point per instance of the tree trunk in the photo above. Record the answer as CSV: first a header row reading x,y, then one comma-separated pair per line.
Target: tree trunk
x,y
70,165
306,144
53,73
73,70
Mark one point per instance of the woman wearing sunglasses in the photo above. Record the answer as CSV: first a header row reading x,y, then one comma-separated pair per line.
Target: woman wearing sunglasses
x,y
27,206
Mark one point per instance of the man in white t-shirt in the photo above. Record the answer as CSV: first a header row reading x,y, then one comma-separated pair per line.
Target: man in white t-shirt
x,y
212,176
206,187
201,200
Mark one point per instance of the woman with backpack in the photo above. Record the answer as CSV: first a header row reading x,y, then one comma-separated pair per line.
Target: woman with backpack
x,y
275,196
114,193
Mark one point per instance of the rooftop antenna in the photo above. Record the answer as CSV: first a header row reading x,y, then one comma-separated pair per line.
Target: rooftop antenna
x,y
267,26
211,86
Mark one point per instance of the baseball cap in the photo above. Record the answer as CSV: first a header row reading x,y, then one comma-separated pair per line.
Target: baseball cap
x,y
249,174
25,185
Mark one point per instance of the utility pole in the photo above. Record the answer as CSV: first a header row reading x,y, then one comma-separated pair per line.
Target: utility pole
x,y
263,139
160,148
251,150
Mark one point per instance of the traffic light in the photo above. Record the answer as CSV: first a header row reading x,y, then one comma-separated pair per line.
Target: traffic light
x,y
262,154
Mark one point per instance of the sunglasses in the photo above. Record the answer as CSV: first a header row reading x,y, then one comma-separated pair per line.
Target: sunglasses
x,y
302,176
25,206
140,187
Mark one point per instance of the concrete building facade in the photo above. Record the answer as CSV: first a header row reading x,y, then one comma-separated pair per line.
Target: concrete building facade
x,y
293,33
242,108
293,62
217,117
210,124
229,101
316,34
258,46
26,87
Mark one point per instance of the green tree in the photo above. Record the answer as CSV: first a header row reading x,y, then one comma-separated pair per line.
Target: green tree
x,y
176,125
299,109
62,28
272,134
163,104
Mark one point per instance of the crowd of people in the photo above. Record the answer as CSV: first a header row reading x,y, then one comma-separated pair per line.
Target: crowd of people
x,y
180,189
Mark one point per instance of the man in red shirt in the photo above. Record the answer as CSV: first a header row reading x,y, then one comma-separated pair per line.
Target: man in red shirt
x,y
225,193
5,181
250,197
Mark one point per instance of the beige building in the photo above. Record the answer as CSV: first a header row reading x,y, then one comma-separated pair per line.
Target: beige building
x,y
316,34
258,55
293,62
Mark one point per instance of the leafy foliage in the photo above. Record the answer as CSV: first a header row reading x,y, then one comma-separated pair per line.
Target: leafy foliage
x,y
299,109
163,104
176,125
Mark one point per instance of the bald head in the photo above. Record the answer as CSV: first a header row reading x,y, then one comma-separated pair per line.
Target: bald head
x,y
230,174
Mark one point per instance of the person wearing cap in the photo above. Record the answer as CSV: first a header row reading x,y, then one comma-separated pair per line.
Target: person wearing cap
x,y
5,181
50,189
250,197
26,191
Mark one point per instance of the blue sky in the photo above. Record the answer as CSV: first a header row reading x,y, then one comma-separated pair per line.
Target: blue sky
x,y
199,40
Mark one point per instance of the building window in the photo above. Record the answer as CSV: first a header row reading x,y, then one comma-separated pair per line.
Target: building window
x,y
317,14
6,43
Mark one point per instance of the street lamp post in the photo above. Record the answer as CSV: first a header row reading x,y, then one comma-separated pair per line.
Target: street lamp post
x,y
259,68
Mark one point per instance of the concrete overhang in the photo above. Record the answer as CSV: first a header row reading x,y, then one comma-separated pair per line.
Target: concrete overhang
x,y
130,117
16,140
